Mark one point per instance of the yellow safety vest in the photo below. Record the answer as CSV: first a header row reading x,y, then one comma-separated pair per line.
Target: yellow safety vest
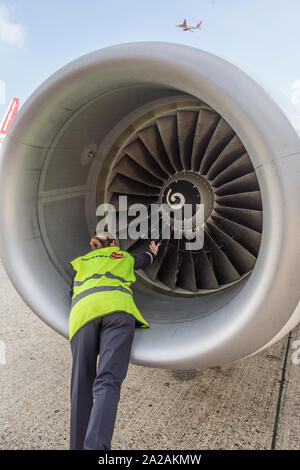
x,y
101,286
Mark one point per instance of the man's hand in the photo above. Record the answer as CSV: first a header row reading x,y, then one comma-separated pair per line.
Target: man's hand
x,y
154,248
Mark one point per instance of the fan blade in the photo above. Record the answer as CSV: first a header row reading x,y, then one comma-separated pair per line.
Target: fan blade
x,y
242,184
186,124
242,259
233,150
168,270
152,141
239,167
248,238
220,138
224,271
127,167
138,152
123,184
167,128
186,278
251,200
205,276
248,217
206,125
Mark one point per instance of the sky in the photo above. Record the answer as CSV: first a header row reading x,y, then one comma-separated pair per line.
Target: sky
x,y
37,37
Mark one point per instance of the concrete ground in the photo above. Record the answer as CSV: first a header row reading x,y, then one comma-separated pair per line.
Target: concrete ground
x,y
250,404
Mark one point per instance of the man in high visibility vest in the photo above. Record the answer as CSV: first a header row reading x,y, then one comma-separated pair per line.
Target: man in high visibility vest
x,y
102,322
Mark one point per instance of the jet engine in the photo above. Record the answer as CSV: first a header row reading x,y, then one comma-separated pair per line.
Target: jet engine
x,y
151,121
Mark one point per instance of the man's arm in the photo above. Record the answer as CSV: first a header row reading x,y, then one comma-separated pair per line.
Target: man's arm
x,y
144,259
72,283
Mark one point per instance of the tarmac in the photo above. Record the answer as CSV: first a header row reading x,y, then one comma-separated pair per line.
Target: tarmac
x,y
253,403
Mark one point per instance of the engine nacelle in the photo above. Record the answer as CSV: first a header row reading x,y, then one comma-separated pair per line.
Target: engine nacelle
x,y
139,119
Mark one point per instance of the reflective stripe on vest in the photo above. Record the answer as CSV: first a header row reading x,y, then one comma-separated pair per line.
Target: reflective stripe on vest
x,y
98,276
93,290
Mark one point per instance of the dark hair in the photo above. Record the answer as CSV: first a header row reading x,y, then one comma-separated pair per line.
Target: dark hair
x,y
105,242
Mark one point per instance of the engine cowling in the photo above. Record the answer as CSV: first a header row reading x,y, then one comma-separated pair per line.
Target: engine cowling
x,y
147,120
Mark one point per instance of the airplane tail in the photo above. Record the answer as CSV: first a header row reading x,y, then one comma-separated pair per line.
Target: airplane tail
x,y
184,23
9,115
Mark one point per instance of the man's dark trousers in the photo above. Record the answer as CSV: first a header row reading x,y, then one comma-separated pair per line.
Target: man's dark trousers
x,y
93,421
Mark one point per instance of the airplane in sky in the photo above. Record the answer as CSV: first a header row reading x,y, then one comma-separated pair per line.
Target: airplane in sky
x,y
189,27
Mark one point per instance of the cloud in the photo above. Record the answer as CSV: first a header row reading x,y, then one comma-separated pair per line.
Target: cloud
x,y
296,93
10,33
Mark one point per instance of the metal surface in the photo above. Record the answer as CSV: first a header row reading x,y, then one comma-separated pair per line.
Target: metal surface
x,y
49,194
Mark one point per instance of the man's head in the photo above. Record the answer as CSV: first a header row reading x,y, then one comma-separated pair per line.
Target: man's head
x,y
102,240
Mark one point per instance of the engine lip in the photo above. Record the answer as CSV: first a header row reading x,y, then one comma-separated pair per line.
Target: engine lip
x,y
197,70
